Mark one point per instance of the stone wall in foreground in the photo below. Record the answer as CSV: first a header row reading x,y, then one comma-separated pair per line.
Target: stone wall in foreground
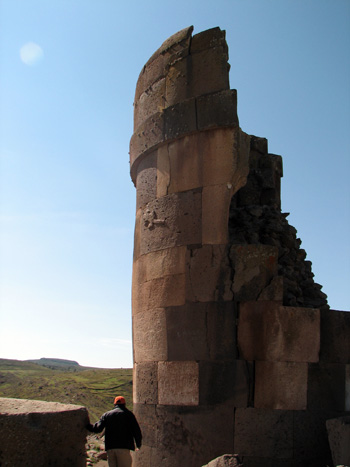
x,y
235,348
41,434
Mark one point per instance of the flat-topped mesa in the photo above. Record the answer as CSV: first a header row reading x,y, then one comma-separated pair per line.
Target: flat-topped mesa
x,y
229,339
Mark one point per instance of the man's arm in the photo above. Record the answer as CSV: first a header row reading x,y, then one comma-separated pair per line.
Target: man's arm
x,y
97,427
136,431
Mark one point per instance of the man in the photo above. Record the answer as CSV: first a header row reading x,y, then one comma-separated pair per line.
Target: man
x,y
121,433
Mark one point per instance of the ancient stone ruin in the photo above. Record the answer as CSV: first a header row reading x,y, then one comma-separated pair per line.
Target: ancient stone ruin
x,y
41,434
235,347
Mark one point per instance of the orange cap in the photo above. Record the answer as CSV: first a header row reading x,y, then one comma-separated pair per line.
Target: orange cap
x,y
119,400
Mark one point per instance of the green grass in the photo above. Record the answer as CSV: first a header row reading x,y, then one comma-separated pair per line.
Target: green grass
x,y
93,388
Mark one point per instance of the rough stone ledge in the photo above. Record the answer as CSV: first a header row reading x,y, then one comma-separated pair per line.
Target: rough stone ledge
x,y
34,433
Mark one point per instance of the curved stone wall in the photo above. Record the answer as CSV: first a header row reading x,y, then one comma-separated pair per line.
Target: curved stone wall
x,y
235,349
188,157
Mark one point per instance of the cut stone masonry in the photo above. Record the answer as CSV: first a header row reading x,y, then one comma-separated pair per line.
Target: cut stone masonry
x,y
235,348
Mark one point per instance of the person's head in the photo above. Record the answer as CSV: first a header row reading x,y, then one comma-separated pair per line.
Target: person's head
x,y
119,400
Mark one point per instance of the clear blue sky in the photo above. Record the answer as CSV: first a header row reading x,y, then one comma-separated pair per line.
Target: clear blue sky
x,y
66,114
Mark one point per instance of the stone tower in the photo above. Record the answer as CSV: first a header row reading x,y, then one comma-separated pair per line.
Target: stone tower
x,y
227,320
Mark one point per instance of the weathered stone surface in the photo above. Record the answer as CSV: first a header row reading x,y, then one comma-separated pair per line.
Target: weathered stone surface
x,y
221,330
157,264
209,71
339,437
176,45
217,110
335,332
182,217
187,332
32,433
273,291
150,102
215,202
208,276
163,171
227,460
264,433
280,385
145,383
255,266
228,381
178,383
326,386
149,335
193,436
213,37
147,418
269,332
180,119
310,437
158,293
146,181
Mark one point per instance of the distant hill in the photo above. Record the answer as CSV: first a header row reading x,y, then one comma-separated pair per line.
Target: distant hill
x,y
94,388
55,362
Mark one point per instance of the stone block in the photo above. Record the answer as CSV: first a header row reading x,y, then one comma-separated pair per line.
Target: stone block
x,y
216,382
311,445
137,235
221,330
178,383
32,433
270,332
177,81
280,385
147,419
326,386
163,171
145,383
229,382
213,37
264,433
217,110
146,181
335,332
215,206
208,274
180,119
224,158
339,439
149,335
181,213
185,163
187,332
193,435
146,138
273,291
158,293
143,457
254,268
227,460
157,264
151,101
209,71
259,144
155,68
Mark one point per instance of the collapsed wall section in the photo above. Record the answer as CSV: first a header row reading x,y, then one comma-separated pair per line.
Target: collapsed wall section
x,y
229,329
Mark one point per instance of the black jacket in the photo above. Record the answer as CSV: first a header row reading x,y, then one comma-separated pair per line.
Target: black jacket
x,y
121,429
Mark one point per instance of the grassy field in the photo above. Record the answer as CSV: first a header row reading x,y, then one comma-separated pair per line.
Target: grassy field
x,y
93,388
